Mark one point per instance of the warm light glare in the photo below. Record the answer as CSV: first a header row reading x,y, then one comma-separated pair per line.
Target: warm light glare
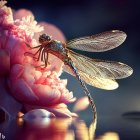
x,y
81,104
109,136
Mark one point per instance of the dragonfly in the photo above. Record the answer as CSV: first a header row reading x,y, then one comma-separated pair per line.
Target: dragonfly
x,y
95,72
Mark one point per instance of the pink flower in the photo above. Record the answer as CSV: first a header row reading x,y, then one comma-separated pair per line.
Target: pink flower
x,y
32,87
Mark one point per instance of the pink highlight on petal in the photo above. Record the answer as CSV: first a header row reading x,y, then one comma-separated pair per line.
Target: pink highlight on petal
x,y
81,104
56,64
67,97
19,14
6,16
3,14
18,33
47,96
53,31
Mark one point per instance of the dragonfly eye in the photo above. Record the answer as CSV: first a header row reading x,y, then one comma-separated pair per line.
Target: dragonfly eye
x,y
44,38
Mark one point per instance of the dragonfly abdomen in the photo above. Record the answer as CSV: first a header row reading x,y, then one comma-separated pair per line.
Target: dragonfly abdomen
x,y
70,63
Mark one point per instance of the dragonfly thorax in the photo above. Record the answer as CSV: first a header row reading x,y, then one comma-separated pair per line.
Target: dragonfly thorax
x,y
57,46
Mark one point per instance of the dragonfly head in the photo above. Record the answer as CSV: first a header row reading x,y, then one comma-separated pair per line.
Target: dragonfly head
x,y
44,39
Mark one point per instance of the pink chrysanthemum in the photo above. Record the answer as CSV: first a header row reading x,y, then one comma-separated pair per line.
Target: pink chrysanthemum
x,y
32,87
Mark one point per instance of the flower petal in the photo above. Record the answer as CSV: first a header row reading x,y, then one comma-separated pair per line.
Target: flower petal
x,y
28,84
7,102
81,104
52,30
61,110
47,95
19,14
23,92
16,71
4,63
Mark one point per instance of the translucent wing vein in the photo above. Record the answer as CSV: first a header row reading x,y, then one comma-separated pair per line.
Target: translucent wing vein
x,y
100,68
99,42
107,84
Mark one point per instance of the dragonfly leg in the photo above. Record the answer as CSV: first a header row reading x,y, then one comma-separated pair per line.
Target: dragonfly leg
x,y
32,47
30,54
42,55
33,55
38,51
28,45
46,58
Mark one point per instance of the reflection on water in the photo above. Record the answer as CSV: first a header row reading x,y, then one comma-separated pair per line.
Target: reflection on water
x,y
109,136
55,129
134,115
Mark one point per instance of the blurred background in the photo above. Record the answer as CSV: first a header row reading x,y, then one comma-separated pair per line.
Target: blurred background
x,y
76,18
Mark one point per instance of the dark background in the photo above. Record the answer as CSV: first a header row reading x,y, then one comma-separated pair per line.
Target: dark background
x,y
78,18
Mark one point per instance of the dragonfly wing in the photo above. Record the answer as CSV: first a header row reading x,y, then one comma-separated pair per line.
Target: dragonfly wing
x,y
107,84
100,68
99,42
